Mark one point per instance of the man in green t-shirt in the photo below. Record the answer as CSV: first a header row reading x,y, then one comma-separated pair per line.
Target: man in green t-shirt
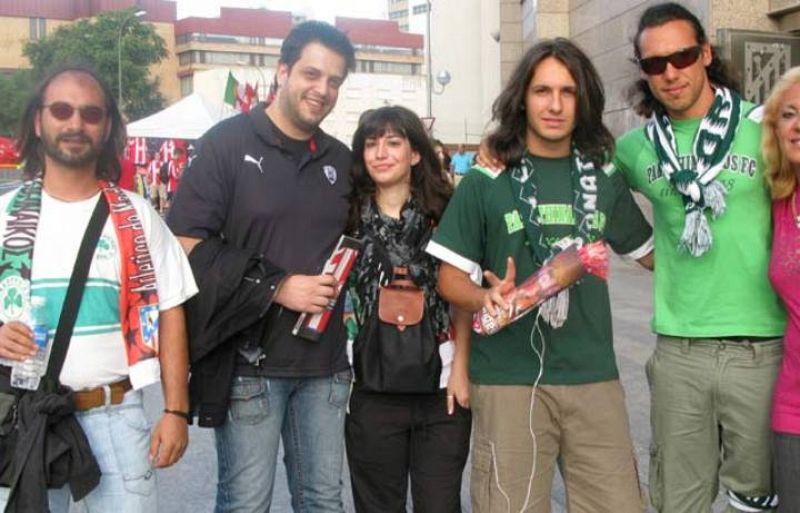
x,y
698,161
545,389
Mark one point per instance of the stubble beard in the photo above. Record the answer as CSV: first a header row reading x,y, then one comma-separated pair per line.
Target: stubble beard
x,y
51,149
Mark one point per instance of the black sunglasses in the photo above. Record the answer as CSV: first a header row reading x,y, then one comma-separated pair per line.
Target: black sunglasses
x,y
63,111
679,60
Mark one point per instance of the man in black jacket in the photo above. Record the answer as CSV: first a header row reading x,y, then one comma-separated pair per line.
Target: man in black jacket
x,y
264,202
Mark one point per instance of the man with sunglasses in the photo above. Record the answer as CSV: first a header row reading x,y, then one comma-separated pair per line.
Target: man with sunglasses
x,y
130,329
698,161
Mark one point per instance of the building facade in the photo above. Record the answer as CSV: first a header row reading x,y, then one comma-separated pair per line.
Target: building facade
x,y
476,42
246,42
756,36
25,20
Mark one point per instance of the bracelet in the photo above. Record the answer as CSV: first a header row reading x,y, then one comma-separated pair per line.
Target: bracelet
x,y
182,414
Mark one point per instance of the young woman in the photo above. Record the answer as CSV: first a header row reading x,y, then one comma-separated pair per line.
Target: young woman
x,y
399,194
781,147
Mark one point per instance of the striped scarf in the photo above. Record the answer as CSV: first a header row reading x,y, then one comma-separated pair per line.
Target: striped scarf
x,y
699,187
138,302
583,177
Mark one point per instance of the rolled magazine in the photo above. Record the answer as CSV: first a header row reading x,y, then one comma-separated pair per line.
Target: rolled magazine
x,y
560,272
311,326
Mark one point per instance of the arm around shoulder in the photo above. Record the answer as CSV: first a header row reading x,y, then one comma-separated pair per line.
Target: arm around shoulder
x,y
648,261
458,289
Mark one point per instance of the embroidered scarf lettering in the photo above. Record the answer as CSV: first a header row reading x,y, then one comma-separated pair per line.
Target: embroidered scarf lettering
x,y
138,303
699,187
583,177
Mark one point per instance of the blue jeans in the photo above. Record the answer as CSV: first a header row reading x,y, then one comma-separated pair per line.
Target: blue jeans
x,y
119,436
308,414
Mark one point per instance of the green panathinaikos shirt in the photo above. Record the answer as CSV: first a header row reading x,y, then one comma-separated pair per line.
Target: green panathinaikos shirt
x,y
724,292
482,227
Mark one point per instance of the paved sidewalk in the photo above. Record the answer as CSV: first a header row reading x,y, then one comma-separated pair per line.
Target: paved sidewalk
x,y
190,486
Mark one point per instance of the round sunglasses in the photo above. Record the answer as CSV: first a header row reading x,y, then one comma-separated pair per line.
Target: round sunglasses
x,y
63,111
679,60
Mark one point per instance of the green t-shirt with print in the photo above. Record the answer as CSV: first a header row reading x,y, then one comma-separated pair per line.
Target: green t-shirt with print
x,y
482,228
725,292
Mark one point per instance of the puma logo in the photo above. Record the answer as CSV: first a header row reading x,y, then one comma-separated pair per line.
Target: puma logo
x,y
252,160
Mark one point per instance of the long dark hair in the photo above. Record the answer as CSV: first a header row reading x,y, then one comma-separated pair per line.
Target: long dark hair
x,y
429,186
29,145
639,94
590,136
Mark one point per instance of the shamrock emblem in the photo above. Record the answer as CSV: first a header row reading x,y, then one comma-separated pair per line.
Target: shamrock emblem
x,y
13,298
105,248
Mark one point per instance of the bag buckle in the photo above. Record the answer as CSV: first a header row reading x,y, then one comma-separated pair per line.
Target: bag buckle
x,y
400,302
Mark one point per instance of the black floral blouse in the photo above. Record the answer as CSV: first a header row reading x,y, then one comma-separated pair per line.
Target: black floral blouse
x,y
404,240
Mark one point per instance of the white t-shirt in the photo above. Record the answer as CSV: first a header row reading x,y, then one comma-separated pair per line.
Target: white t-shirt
x,y
97,353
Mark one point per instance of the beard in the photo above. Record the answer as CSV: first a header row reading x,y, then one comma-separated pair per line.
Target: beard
x,y
89,153
305,121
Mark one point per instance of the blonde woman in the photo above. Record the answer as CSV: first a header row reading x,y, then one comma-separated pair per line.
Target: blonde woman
x,y
781,148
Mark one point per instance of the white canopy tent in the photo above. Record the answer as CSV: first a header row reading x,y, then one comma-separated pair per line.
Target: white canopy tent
x,y
188,118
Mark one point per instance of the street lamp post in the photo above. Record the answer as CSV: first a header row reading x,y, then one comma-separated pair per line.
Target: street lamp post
x,y
428,57
443,78
122,25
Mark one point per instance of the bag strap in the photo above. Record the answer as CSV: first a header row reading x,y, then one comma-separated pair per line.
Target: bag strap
x,y
383,251
77,282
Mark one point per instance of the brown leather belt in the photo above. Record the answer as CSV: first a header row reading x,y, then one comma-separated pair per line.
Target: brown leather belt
x,y
101,396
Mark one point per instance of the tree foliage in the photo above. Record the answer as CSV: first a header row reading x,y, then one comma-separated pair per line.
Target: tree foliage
x,y
15,90
94,42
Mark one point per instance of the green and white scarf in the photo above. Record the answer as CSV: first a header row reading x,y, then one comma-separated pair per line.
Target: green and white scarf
x,y
138,298
699,187
583,177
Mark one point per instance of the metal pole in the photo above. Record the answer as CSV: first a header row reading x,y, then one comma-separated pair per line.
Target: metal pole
x,y
430,68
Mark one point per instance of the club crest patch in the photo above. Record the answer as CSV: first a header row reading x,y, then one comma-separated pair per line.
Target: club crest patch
x,y
330,173
106,248
15,294
513,222
148,320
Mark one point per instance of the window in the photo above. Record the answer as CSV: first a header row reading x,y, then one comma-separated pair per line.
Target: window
x,y
391,50
38,28
227,58
201,37
393,68
187,85
270,61
419,9
396,15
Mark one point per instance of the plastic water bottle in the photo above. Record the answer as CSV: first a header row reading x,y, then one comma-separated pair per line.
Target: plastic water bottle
x,y
28,373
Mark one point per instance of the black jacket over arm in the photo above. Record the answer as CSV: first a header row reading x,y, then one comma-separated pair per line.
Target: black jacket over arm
x,y
236,289
45,448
